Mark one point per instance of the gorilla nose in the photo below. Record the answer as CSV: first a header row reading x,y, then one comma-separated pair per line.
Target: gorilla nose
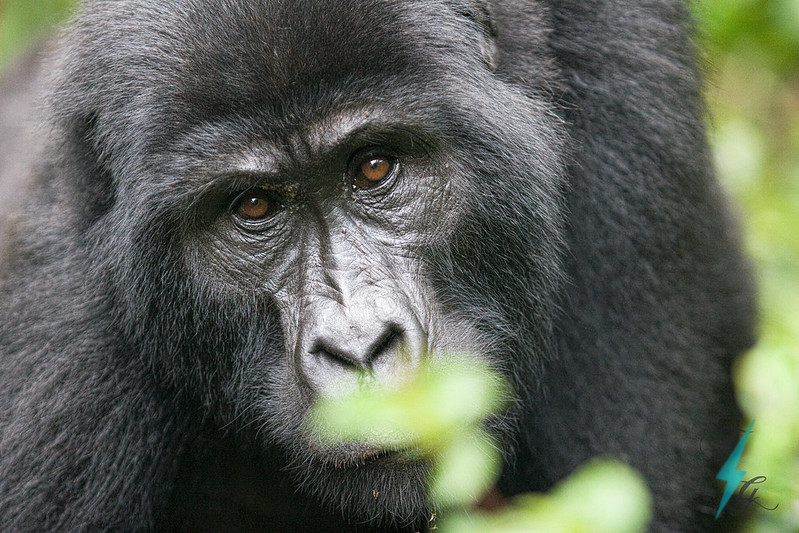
x,y
341,355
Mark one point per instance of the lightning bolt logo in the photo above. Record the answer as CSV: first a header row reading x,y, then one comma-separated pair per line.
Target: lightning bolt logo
x,y
729,473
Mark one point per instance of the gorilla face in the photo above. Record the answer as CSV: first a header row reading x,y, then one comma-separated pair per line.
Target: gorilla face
x,y
296,194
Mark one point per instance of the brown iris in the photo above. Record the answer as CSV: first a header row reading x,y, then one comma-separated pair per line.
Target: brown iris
x,y
372,171
255,205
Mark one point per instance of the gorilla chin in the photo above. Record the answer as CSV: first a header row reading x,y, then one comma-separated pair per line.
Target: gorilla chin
x,y
230,209
387,490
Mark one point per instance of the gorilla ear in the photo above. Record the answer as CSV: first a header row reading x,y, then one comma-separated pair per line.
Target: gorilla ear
x,y
480,15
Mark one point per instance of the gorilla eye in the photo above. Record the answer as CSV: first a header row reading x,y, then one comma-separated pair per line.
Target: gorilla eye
x,y
254,205
372,171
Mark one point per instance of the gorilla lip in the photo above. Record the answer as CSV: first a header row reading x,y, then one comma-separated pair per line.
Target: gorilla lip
x,y
353,454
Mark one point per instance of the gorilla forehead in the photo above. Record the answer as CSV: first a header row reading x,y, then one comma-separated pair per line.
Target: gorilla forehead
x,y
143,73
258,51
272,53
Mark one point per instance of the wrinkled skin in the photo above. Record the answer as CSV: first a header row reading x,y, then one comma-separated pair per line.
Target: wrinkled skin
x,y
236,207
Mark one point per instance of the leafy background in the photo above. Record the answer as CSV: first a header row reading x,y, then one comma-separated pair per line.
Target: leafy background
x,y
751,50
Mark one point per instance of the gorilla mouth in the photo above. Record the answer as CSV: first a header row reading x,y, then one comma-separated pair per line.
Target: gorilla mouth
x,y
357,454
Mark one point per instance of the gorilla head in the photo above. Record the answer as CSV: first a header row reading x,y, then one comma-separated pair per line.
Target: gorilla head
x,y
245,205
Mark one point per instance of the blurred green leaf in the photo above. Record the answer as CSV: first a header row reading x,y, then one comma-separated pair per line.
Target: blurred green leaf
x,y
438,413
603,496
465,469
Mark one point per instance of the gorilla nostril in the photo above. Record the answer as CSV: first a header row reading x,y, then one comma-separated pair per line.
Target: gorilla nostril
x,y
354,352
329,354
388,343
342,358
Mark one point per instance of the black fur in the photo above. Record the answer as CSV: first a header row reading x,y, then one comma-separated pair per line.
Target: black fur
x,y
554,211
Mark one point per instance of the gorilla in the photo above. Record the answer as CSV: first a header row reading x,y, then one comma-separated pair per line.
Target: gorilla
x,y
228,208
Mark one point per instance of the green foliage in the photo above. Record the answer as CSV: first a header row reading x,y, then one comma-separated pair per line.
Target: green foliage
x,y
768,29
438,414
24,22
603,496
